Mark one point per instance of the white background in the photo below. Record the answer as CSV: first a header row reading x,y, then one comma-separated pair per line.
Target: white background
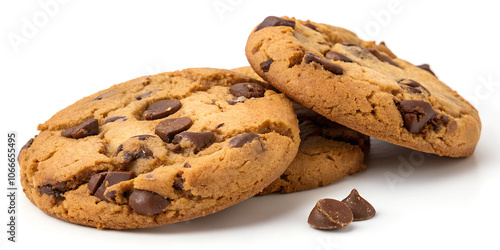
x,y
52,56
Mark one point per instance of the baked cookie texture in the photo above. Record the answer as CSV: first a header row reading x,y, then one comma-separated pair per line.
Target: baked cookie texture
x,y
327,153
363,85
160,149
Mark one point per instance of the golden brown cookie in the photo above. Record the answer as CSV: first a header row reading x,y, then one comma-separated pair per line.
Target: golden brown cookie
x,y
160,149
363,85
327,153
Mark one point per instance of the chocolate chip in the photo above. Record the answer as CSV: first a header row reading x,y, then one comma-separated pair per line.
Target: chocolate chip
x,y
111,179
332,67
186,165
195,140
382,57
240,141
143,95
415,114
330,214
161,109
87,128
115,118
413,87
361,209
426,67
96,181
275,21
168,128
310,25
146,202
336,56
265,66
247,90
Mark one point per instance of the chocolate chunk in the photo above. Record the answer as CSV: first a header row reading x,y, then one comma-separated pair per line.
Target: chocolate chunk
x,y
146,202
142,137
195,140
96,181
98,98
46,189
247,90
413,87
240,141
111,195
115,118
426,67
161,109
67,133
30,141
310,25
168,128
382,57
119,149
232,102
49,190
361,209
143,95
351,44
265,66
111,179
271,21
330,214
439,121
27,145
416,114
178,182
332,67
142,153
87,128
336,56
219,126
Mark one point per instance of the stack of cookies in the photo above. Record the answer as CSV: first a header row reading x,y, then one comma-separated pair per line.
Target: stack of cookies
x,y
180,145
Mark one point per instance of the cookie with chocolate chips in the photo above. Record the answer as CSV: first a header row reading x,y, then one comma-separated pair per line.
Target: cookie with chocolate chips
x,y
363,85
160,149
327,153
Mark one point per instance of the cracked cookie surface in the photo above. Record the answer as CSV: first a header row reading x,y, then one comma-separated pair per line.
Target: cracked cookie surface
x,y
327,153
160,149
363,85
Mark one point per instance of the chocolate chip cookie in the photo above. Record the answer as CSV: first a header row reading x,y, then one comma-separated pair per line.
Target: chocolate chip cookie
x,y
327,153
363,85
160,149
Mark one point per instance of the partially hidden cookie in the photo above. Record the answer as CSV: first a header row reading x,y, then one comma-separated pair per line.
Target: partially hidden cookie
x,y
327,153
363,85
160,149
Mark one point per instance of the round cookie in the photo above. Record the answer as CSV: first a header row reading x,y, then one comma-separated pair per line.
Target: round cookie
x,y
327,153
160,149
363,85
